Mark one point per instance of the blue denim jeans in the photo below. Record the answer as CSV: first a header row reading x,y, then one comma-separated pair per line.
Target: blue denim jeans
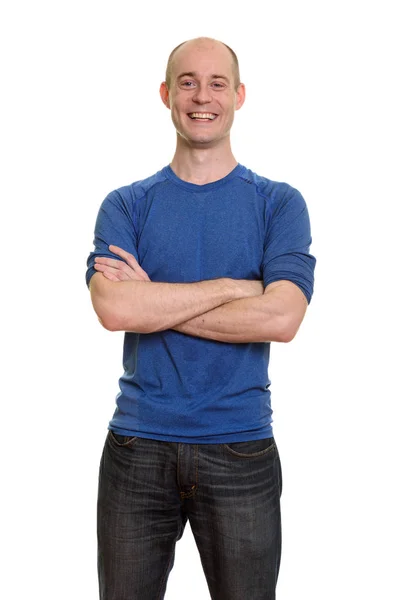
x,y
230,493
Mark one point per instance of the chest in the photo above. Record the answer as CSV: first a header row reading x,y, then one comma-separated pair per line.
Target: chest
x,y
189,237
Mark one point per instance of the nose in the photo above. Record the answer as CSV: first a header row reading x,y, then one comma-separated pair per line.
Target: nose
x,y
202,94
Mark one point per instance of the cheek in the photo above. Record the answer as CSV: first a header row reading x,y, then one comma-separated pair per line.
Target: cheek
x,y
178,108
177,115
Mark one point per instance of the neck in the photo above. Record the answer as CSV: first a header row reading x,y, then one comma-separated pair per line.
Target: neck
x,y
202,165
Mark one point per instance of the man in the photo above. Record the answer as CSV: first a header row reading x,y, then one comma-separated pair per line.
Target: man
x,y
202,265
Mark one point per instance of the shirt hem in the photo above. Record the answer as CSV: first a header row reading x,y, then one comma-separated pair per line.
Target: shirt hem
x,y
223,438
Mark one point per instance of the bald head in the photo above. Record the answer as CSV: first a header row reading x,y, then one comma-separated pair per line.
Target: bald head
x,y
201,43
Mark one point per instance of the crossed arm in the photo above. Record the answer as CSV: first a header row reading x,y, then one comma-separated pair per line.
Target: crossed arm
x,y
226,310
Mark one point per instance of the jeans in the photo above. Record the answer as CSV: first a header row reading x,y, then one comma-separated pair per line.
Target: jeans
x,y
230,493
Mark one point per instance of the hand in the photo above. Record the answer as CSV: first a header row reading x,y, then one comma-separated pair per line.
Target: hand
x,y
248,288
127,269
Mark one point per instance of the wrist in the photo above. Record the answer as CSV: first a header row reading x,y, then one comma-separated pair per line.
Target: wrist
x,y
234,289
246,288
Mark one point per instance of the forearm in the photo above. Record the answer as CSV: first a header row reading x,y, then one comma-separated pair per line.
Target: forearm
x,y
264,318
237,322
146,307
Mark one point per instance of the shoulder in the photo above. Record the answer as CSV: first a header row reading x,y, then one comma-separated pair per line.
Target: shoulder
x,y
275,193
138,189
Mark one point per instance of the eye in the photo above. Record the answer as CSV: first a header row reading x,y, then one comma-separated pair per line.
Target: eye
x,y
187,84
218,85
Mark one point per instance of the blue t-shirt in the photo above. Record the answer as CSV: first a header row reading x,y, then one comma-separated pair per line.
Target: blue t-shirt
x,y
181,388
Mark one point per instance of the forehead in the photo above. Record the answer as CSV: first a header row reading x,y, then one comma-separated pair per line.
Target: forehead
x,y
203,60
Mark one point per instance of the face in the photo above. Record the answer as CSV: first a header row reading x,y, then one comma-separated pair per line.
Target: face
x,y
202,95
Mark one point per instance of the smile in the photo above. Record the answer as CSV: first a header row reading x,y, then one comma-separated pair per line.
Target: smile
x,y
198,116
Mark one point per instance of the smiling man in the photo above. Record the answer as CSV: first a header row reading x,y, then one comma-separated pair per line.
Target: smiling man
x,y
203,265
203,101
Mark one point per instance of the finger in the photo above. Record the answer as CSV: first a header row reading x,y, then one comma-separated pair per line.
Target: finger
x,y
108,272
127,256
118,274
110,276
123,254
142,272
130,259
115,264
112,262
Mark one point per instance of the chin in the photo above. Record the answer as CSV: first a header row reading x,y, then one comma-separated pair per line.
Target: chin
x,y
203,143
199,140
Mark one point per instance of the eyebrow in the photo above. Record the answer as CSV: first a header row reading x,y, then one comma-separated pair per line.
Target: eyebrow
x,y
193,74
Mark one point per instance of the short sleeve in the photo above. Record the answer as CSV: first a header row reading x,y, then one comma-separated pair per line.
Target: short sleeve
x,y
114,225
288,240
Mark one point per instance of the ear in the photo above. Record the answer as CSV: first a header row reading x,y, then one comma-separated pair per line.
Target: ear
x,y
164,93
240,96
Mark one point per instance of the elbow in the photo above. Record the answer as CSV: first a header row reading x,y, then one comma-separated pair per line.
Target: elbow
x,y
114,314
107,319
286,330
109,323
112,321
107,314
286,336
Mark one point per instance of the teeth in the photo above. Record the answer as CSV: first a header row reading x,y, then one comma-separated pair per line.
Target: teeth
x,y
202,116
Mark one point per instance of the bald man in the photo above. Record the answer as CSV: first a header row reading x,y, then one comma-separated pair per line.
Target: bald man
x,y
202,265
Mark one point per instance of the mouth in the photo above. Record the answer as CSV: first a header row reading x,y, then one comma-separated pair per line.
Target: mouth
x,y
204,117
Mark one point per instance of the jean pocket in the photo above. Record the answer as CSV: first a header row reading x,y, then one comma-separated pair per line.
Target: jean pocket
x,y
122,440
252,448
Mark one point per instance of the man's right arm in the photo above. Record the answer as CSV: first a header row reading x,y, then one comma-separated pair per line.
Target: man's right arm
x,y
147,307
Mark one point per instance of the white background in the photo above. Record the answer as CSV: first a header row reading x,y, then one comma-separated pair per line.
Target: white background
x,y
81,116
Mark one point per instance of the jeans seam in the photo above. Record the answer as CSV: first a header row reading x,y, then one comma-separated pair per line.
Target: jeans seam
x,y
127,444
196,460
164,577
178,467
167,569
185,495
253,455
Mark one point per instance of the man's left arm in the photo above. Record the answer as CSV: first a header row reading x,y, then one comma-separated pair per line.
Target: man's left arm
x,y
288,277
274,316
